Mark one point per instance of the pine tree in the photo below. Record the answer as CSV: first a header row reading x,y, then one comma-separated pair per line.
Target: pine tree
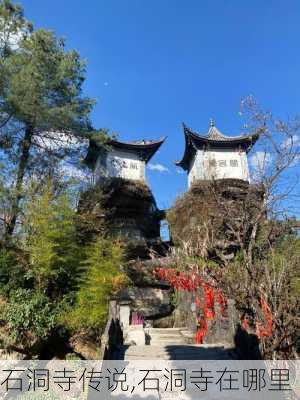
x,y
13,27
41,98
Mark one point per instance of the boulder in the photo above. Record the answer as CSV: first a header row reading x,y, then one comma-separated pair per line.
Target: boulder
x,y
206,218
126,208
151,303
142,272
85,346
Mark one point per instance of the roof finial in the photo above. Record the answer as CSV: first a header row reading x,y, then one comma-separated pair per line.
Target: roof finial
x,y
212,123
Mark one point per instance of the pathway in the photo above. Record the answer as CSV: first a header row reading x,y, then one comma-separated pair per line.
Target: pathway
x,y
173,344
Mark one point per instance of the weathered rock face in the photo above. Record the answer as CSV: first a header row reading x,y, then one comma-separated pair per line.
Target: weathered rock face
x,y
84,346
122,207
204,223
142,273
151,303
206,217
150,296
221,329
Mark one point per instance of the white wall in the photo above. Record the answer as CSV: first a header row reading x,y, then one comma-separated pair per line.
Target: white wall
x,y
122,164
219,164
196,168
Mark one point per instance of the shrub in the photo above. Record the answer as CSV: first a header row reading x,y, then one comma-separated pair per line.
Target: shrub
x,y
11,271
29,316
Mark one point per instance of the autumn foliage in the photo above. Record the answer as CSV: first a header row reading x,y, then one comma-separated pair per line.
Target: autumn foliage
x,y
207,296
205,305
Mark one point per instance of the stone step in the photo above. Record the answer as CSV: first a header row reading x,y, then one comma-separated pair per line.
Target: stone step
x,y
161,342
172,344
178,352
188,333
165,330
169,336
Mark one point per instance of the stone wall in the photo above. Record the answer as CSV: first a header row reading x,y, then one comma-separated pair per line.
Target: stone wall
x,y
148,296
221,329
218,164
120,164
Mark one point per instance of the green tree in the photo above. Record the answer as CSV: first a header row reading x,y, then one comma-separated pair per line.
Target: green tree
x,y
102,278
51,243
13,27
48,114
12,271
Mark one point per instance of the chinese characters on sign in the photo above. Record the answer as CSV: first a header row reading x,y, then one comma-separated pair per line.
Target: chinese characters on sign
x,y
130,377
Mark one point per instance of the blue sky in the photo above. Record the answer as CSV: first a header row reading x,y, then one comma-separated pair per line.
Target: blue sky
x,y
154,64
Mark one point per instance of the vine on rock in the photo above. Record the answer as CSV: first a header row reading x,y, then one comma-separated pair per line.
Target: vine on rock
x,y
211,296
262,330
191,283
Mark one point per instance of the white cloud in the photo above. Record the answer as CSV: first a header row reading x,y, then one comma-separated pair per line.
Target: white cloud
x,y
158,167
179,171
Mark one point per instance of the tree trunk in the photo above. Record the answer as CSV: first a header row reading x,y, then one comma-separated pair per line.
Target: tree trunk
x,y
25,152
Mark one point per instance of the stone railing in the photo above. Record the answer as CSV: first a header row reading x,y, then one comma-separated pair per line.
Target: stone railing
x,y
119,331
113,335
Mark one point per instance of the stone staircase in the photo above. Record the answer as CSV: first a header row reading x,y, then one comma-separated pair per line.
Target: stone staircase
x,y
168,336
172,344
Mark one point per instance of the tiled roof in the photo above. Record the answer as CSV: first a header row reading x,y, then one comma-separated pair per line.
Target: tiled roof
x,y
213,139
215,134
144,148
